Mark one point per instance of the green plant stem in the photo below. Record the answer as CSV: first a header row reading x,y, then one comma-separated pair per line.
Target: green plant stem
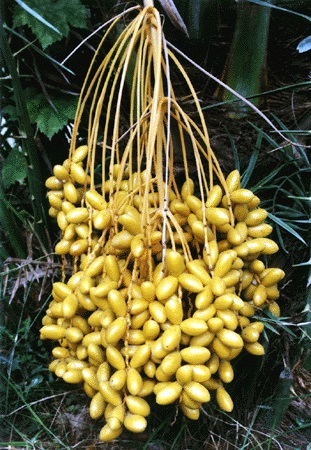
x,y
246,61
11,229
35,180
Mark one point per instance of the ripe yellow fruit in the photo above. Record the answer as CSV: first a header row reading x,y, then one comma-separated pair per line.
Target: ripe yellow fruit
x,y
224,400
197,267
193,327
62,247
222,350
112,268
107,434
53,183
136,337
228,318
191,413
171,363
169,394
137,306
233,181
166,288
218,286
241,196
110,394
230,338
116,330
102,219
52,331
74,334
197,392
271,276
77,215
148,290
225,371
204,298
141,356
205,314
223,302
214,196
215,324
90,376
78,174
122,240
274,309
97,406
157,311
195,354
137,405
96,353
259,231
115,358
202,340
117,303
118,379
79,154
78,247
190,282
201,373
151,329
171,338
224,262
134,381
218,216
73,376
174,310
255,348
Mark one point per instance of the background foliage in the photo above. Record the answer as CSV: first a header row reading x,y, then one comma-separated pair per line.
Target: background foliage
x,y
40,84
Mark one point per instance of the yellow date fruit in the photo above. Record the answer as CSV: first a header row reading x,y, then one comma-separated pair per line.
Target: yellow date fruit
x,y
195,354
197,392
193,327
135,423
169,394
224,399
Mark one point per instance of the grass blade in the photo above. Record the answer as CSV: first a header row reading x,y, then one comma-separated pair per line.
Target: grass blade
x,y
286,227
38,50
252,161
37,16
234,151
269,5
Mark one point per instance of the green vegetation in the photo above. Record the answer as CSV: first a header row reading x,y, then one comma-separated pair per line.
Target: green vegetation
x,y
40,85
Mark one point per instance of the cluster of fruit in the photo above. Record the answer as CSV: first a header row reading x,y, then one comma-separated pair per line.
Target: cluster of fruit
x,y
162,290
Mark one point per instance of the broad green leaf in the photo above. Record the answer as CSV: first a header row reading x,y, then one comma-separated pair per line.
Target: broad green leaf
x,y
59,14
50,117
14,168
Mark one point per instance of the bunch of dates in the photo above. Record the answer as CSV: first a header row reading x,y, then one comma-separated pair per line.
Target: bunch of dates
x,y
139,316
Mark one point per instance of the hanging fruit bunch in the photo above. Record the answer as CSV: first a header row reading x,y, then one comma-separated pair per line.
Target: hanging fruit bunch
x,y
161,278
